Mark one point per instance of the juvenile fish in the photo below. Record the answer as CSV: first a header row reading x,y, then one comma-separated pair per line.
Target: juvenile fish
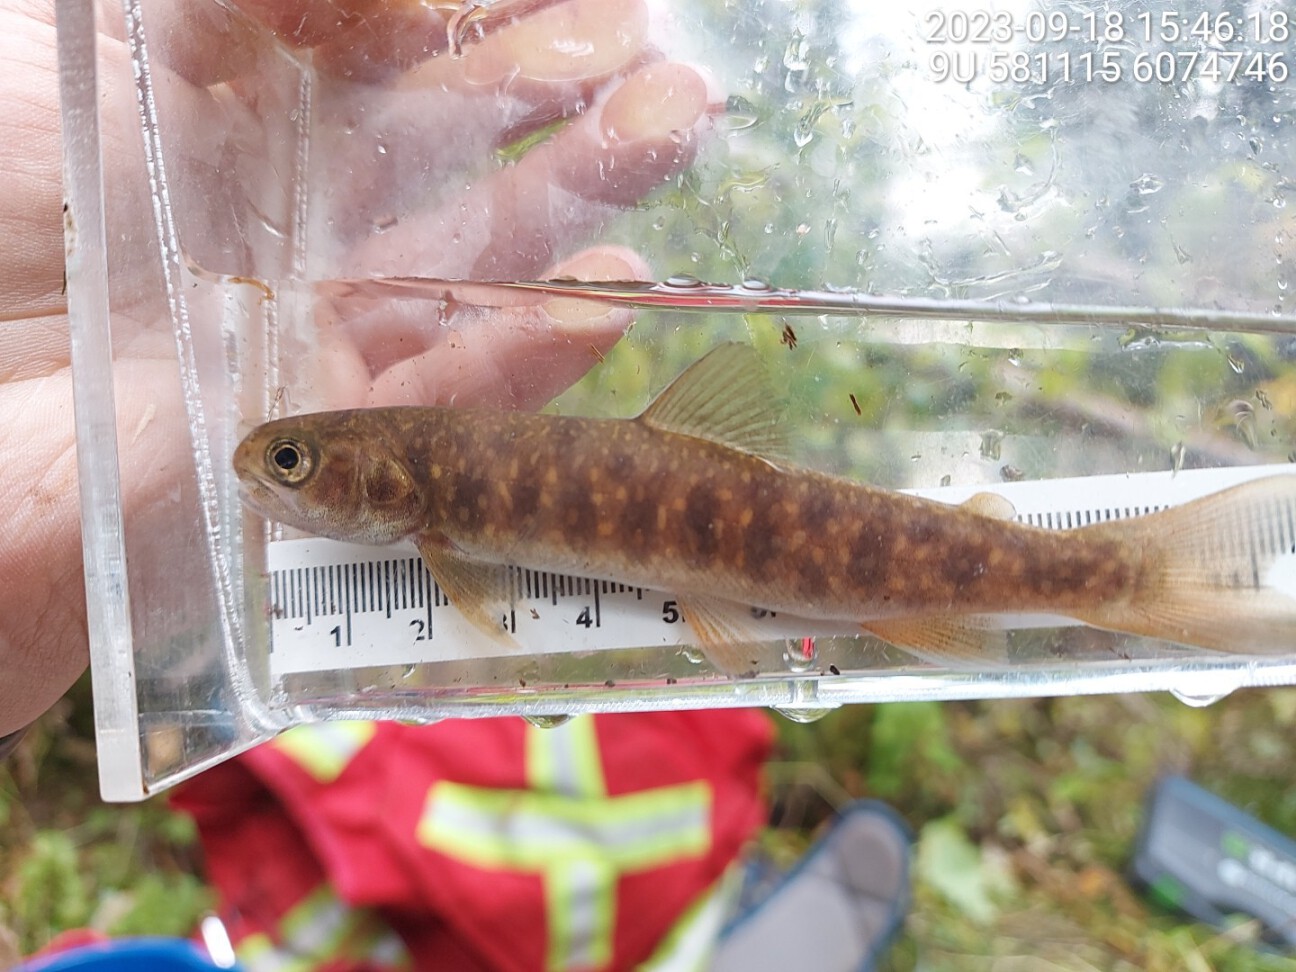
x,y
693,498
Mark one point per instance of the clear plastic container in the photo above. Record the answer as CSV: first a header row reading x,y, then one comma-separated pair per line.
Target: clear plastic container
x,y
976,249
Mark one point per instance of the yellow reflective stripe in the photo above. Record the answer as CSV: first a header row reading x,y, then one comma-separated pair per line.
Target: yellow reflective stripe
x,y
579,847
257,953
530,831
323,750
580,905
565,759
689,945
322,928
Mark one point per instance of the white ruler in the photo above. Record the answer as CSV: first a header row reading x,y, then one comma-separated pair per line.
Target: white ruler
x,y
341,606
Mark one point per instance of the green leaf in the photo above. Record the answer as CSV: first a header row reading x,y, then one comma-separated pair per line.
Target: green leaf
x,y
958,870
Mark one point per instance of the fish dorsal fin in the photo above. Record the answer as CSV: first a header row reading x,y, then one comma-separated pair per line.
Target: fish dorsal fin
x,y
726,397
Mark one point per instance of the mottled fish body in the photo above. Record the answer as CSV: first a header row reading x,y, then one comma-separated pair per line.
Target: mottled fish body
x,y
693,498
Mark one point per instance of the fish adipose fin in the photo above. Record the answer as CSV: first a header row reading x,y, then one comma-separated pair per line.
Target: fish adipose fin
x,y
730,645
481,592
725,397
1222,572
992,505
960,642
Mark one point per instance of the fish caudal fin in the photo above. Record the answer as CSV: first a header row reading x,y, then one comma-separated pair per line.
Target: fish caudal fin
x,y
1222,572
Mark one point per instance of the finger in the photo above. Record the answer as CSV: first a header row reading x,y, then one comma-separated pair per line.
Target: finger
x,y
31,272
305,23
401,150
520,219
383,45
512,357
43,639
572,42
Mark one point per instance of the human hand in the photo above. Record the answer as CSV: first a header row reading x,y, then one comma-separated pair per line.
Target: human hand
x,y
635,121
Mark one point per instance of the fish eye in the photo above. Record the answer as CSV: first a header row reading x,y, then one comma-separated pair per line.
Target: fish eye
x,y
289,460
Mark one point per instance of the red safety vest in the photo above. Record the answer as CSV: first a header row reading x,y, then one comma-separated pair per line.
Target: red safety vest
x,y
482,844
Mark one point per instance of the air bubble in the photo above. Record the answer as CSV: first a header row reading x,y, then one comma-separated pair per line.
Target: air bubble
x,y
800,654
547,721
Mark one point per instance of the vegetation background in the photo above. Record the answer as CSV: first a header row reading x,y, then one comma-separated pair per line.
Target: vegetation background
x,y
1025,813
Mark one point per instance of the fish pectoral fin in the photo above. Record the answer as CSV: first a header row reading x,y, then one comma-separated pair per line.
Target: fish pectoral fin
x,y
482,593
962,641
990,504
730,644
726,397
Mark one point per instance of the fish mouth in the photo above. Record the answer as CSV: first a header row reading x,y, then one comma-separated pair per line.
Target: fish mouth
x,y
261,498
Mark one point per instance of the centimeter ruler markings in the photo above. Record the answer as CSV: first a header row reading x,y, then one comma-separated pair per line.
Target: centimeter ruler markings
x,y
339,606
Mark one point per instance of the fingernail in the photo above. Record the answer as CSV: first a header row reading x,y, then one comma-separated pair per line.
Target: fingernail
x,y
659,100
571,42
571,313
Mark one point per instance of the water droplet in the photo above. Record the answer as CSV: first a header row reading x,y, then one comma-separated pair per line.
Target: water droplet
x,y
1237,364
800,654
992,445
1242,415
659,223
1147,184
693,654
383,223
754,283
683,280
408,671
946,479
739,115
802,714
1197,700
794,55
802,136
1139,339
1178,452
547,721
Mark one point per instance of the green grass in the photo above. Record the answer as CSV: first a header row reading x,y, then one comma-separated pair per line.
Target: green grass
x,y
1027,812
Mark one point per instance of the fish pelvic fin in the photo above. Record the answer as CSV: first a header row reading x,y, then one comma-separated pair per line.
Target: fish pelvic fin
x,y
957,642
726,397
1222,574
482,593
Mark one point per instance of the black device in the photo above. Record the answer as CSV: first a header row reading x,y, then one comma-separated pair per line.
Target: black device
x,y
1202,855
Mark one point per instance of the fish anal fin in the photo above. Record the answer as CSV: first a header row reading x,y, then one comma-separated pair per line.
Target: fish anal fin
x,y
726,397
992,505
729,644
481,592
953,641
